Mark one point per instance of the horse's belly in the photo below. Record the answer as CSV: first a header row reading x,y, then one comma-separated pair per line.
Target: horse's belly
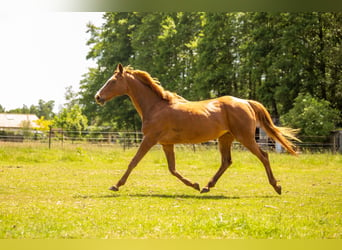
x,y
193,134
194,124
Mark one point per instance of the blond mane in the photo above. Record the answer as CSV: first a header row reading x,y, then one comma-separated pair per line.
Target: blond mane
x,y
153,84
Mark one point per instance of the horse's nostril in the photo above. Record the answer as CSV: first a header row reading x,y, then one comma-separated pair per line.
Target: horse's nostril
x,y
99,100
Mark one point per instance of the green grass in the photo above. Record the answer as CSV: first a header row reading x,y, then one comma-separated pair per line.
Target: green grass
x,y
63,193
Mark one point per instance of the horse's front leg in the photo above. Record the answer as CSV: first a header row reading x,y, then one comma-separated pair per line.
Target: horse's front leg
x,y
144,147
170,156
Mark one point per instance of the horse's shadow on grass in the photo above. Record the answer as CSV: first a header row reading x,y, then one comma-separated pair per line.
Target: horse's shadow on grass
x,y
174,196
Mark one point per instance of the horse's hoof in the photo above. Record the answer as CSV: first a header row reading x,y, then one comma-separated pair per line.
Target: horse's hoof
x,y
114,188
278,189
205,190
196,186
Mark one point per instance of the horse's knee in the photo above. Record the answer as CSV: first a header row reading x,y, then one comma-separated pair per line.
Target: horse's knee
x,y
226,162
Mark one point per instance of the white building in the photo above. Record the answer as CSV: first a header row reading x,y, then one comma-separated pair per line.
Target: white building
x,y
17,121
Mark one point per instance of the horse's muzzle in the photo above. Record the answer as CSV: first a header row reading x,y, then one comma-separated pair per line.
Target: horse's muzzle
x,y
99,100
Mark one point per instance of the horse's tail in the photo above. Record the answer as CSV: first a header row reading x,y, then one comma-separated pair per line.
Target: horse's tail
x,y
276,133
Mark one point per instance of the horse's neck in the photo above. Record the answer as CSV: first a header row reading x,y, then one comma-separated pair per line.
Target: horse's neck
x,y
142,97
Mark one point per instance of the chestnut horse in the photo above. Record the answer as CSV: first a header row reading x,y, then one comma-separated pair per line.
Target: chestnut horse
x,y
168,119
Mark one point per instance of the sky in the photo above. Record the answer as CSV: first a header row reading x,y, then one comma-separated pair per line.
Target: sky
x,y
42,53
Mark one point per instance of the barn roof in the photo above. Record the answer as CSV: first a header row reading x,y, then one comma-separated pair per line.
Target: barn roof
x,y
17,120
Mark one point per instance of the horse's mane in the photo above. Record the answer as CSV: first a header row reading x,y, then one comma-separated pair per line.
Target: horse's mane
x,y
153,84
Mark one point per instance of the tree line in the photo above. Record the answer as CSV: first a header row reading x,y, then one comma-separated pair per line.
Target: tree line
x,y
270,57
291,62
70,117
42,109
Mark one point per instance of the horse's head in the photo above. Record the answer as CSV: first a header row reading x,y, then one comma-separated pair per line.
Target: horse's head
x,y
115,86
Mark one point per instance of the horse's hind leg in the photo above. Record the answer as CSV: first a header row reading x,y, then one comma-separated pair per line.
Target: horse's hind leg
x,y
170,156
225,143
263,157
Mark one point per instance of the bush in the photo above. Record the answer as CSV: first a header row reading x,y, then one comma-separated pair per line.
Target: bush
x,y
71,120
314,117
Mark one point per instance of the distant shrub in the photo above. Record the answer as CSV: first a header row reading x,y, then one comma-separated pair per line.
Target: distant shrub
x,y
313,116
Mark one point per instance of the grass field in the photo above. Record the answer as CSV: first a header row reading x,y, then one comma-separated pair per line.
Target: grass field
x,y
62,193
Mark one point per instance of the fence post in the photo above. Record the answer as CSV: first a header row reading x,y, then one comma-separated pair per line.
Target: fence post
x,y
124,144
62,136
50,135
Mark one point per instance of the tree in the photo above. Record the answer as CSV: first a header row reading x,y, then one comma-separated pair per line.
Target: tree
x,y
42,109
305,59
71,120
144,41
23,110
313,116
45,109
285,54
71,97
215,74
110,44
44,125
174,50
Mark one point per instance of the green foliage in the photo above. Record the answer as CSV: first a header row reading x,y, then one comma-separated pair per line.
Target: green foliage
x,y
43,109
110,44
314,117
72,120
71,97
62,193
217,52
270,57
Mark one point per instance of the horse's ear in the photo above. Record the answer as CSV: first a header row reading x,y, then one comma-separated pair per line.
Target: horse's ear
x,y
119,68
